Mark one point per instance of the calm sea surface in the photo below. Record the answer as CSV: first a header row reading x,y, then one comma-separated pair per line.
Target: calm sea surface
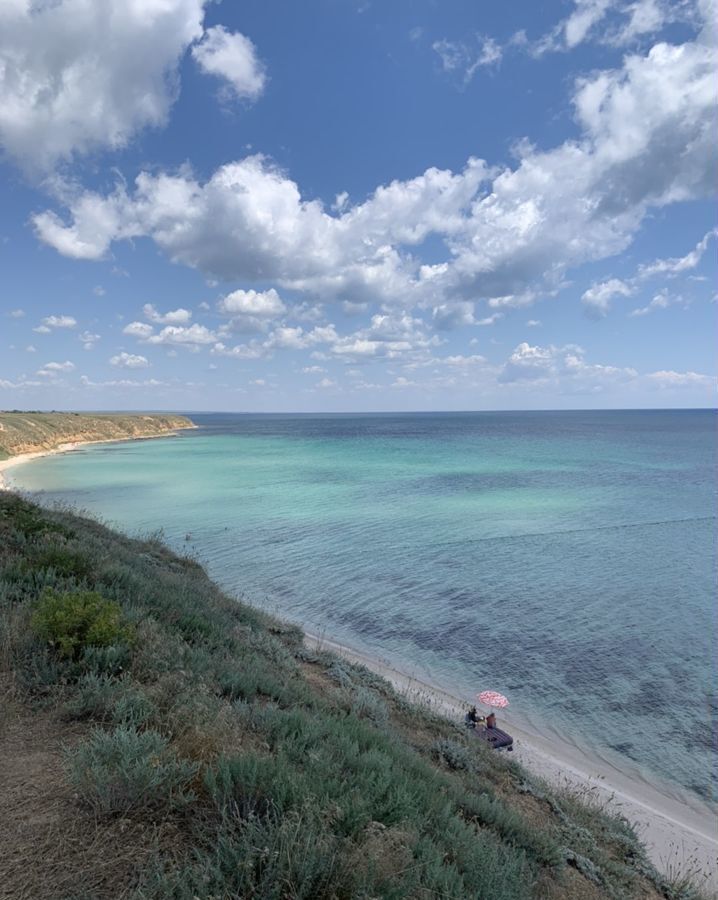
x,y
566,559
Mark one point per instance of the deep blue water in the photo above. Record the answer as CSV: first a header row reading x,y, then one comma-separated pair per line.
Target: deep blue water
x,y
566,559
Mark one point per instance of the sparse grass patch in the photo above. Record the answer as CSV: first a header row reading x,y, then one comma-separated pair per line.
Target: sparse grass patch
x,y
124,769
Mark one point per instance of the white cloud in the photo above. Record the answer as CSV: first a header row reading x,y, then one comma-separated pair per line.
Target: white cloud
x,y
560,365
88,339
489,320
662,300
670,379
122,383
326,383
194,335
586,14
232,57
676,265
240,351
465,59
266,304
597,299
30,349
55,368
645,140
16,313
173,317
129,361
453,315
313,370
139,330
462,362
622,23
99,291
59,322
84,74
533,323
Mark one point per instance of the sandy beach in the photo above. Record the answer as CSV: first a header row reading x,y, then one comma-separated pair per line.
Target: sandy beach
x,y
680,838
681,835
22,458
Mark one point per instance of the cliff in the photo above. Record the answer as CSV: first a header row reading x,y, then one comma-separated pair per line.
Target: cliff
x,y
30,432
159,739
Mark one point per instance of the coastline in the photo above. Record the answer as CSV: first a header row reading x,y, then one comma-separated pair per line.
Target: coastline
x,y
680,840
22,458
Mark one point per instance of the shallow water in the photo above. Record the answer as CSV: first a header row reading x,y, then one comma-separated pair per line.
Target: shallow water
x,y
565,559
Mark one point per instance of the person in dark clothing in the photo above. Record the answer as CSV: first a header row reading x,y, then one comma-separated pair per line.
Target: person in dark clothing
x,y
472,718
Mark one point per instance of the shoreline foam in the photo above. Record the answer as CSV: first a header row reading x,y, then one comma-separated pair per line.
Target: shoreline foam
x,y
678,837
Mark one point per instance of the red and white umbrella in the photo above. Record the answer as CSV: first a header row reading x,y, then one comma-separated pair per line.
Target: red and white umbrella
x,y
493,698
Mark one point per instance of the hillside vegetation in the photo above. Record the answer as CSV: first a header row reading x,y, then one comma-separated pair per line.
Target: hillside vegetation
x,y
162,740
28,432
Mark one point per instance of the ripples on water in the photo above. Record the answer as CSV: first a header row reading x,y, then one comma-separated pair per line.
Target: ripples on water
x,y
563,558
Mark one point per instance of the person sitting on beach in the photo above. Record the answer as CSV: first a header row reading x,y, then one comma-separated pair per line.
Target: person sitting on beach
x,y
491,720
473,718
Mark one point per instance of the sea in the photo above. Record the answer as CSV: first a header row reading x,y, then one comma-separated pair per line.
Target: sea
x,y
565,559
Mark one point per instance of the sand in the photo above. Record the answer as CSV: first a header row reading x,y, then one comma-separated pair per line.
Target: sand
x,y
681,838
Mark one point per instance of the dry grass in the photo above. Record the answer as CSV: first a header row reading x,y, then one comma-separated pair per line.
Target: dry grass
x,y
51,847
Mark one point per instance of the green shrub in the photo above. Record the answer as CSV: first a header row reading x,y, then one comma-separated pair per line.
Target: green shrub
x,y
64,561
122,770
70,622
453,754
93,698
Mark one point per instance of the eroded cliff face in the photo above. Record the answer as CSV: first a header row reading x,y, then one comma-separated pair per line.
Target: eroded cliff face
x,y
30,432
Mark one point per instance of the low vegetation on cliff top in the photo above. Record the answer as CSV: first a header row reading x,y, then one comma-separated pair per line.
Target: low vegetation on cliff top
x,y
165,741
27,432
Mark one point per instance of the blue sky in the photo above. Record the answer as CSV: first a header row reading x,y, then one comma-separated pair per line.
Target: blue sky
x,y
341,205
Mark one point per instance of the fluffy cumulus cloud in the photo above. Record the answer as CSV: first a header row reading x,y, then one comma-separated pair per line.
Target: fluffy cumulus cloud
x,y
129,361
59,322
233,58
173,317
139,330
530,363
644,140
193,336
83,74
252,303
51,369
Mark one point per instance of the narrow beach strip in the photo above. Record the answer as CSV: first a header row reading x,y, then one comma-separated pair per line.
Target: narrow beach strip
x,y
678,838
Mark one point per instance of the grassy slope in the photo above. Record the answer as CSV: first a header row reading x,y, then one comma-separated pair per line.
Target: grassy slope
x,y
215,756
27,432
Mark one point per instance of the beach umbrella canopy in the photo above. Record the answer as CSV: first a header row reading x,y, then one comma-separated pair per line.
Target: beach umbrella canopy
x,y
493,698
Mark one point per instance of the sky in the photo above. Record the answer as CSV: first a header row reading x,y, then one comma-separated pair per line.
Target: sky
x,y
342,205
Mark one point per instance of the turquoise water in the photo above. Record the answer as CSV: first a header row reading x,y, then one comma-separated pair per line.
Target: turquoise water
x,y
565,559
